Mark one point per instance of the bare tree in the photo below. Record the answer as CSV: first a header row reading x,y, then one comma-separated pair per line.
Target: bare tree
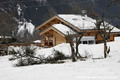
x,y
104,29
7,24
104,32
74,41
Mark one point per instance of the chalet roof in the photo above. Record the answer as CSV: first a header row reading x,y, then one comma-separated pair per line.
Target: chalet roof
x,y
76,22
63,29
115,30
82,22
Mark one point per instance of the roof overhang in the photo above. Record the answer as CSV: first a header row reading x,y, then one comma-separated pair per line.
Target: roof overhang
x,y
40,26
52,28
62,20
115,32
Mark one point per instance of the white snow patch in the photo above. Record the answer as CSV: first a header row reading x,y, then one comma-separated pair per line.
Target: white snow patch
x,y
117,39
5,37
26,26
95,51
115,30
37,41
19,9
64,29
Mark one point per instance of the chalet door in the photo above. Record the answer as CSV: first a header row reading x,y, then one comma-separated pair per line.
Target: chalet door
x,y
49,39
51,43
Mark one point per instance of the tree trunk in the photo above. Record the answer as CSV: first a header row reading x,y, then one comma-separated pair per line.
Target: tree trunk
x,y
72,53
105,49
77,53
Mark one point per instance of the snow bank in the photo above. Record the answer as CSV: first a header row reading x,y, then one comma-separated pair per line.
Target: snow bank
x,y
64,48
37,41
100,69
91,51
94,51
117,39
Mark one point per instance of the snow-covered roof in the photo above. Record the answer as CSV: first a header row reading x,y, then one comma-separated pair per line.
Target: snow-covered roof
x,y
115,30
81,22
63,29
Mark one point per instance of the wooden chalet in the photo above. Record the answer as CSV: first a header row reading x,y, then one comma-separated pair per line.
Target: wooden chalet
x,y
55,30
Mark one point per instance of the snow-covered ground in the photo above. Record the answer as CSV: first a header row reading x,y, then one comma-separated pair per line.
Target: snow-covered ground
x,y
91,69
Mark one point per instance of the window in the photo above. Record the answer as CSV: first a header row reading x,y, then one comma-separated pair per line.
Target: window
x,y
80,42
84,42
91,42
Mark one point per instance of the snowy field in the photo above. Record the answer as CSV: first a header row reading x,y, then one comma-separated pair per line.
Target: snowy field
x,y
91,69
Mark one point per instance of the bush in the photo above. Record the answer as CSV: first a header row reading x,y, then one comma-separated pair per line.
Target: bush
x,y
15,54
56,57
26,56
4,52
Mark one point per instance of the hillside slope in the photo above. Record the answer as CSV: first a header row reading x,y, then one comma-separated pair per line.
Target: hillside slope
x,y
38,11
91,69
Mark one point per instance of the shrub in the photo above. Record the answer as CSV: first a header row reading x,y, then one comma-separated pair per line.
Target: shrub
x,y
3,51
26,56
56,57
15,54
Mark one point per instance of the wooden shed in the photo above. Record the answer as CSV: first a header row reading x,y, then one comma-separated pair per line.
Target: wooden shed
x,y
55,30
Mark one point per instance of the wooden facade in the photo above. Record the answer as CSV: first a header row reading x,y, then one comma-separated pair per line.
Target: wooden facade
x,y
53,37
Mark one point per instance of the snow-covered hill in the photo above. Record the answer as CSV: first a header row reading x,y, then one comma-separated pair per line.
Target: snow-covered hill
x,y
92,51
91,69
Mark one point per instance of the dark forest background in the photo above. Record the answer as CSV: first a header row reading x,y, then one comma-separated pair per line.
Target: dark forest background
x,y
38,11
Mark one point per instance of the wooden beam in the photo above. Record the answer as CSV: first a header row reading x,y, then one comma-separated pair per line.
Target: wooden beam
x,y
45,22
51,28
